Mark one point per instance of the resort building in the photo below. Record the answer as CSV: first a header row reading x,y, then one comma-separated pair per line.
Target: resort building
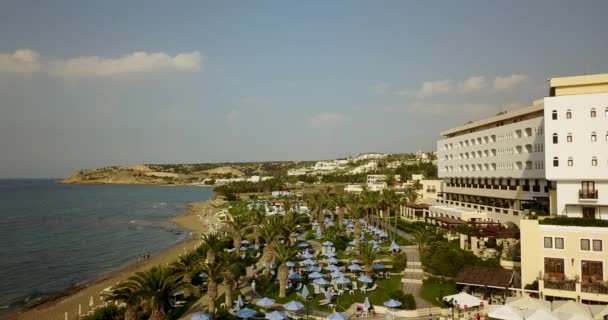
x,y
493,169
569,260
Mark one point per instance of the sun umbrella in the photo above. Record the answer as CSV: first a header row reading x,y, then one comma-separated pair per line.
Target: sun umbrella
x,y
504,312
392,303
200,316
353,243
366,303
338,316
337,274
254,246
329,254
327,243
539,314
203,275
464,300
365,279
315,275
307,262
378,266
327,294
293,306
306,255
342,280
321,282
394,246
332,260
294,276
354,267
332,267
239,301
246,313
265,302
244,248
303,245
245,241
304,291
275,315
290,264
312,269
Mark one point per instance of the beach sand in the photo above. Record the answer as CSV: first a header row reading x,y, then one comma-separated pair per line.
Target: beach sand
x,y
55,310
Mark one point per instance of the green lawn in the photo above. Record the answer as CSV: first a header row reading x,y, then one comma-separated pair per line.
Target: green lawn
x,y
344,301
432,291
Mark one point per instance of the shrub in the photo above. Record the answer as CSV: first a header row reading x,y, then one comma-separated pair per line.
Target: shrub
x,y
407,300
310,235
399,261
109,312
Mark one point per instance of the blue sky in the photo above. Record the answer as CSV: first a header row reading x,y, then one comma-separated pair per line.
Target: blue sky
x,y
124,82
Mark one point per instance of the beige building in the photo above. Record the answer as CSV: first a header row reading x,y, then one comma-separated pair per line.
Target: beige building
x,y
568,260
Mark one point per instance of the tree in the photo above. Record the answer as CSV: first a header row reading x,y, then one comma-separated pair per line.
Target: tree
x,y
237,228
155,287
269,232
214,271
212,244
233,269
423,238
355,207
283,253
368,255
128,296
257,217
186,265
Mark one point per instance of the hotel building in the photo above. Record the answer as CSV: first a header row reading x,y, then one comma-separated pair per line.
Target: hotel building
x,y
493,169
568,257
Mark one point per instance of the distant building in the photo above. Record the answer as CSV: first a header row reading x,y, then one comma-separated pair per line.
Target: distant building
x,y
356,188
370,156
368,167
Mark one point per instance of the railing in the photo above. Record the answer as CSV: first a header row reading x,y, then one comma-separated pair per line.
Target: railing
x,y
481,207
594,287
568,285
588,194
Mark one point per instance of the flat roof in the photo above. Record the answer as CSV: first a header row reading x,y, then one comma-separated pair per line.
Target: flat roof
x,y
484,277
578,80
538,106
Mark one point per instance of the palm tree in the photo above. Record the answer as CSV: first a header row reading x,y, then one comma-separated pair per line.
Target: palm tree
x,y
355,208
368,255
269,232
232,271
256,219
155,287
237,228
390,200
186,265
212,243
340,201
214,271
283,253
125,294
423,238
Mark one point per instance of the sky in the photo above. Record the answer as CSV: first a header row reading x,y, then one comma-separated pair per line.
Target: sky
x,y
85,84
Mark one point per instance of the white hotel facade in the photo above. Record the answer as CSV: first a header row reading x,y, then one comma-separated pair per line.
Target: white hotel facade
x,y
549,158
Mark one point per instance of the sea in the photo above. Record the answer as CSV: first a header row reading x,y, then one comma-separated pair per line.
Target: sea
x,y
54,237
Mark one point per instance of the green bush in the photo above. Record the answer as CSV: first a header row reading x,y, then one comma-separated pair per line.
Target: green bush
x,y
407,300
399,261
110,312
310,235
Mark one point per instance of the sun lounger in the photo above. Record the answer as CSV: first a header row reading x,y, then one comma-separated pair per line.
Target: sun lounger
x,y
293,315
324,302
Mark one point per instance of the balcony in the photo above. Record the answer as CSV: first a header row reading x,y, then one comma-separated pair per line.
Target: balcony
x,y
595,287
567,285
588,194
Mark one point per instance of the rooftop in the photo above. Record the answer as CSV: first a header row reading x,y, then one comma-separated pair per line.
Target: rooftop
x,y
594,83
485,277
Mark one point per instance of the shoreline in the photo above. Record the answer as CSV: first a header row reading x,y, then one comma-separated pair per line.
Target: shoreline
x,y
69,301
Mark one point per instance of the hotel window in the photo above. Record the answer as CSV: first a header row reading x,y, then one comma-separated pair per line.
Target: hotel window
x,y
568,114
593,136
593,113
597,245
554,268
555,138
585,245
606,112
554,115
570,162
569,137
548,243
594,161
555,162
559,243
592,271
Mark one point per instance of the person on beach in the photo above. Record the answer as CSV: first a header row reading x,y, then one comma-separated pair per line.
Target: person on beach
x,y
253,286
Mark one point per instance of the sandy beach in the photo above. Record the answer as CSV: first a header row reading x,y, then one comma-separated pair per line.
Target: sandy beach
x,y
197,219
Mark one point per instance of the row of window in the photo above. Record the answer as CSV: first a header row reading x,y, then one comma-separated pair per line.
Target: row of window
x,y
571,161
592,113
527,132
519,165
538,147
586,244
569,137
591,271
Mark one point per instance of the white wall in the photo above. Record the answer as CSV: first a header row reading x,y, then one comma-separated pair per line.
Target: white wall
x,y
581,149
567,194
508,160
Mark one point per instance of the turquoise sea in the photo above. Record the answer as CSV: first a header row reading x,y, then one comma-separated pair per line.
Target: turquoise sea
x,y
54,237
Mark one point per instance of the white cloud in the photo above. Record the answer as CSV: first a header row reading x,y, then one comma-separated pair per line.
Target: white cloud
x,y
136,62
232,115
508,82
22,61
328,120
472,84
380,88
433,88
